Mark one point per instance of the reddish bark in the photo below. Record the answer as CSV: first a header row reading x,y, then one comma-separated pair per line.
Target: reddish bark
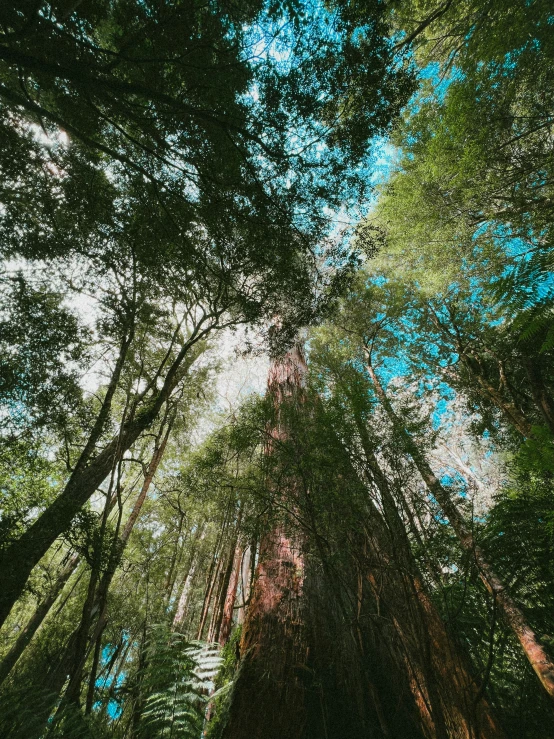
x,y
445,694
269,697
227,621
268,701
287,647
440,679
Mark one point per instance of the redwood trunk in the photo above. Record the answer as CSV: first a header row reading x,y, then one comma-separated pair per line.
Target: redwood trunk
x,y
445,693
268,701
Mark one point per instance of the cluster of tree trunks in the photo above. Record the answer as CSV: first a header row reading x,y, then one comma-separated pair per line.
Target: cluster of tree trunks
x,y
357,649
533,649
316,663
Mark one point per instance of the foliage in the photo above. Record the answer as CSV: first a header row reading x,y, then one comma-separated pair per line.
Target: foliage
x,y
230,659
171,692
172,173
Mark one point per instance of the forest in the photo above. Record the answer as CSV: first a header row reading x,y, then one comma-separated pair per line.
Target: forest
x,y
276,369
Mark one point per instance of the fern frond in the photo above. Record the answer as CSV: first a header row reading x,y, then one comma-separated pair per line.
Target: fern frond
x,y
175,684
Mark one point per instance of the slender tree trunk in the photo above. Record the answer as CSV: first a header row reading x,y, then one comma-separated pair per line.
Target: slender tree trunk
x,y
512,413
93,671
96,602
207,599
138,703
219,606
244,584
218,595
174,563
187,581
34,623
514,617
213,576
108,667
464,468
73,692
227,619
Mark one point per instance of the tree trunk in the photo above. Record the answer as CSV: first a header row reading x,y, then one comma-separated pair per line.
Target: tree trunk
x,y
293,678
219,593
511,412
174,563
187,582
464,468
213,573
97,601
227,620
244,583
445,693
79,655
268,701
93,671
219,606
533,649
212,581
34,623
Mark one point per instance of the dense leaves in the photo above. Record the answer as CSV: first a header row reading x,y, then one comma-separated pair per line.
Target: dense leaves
x,y
366,550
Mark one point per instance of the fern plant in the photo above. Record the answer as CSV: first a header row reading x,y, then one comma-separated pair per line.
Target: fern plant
x,y
175,684
527,294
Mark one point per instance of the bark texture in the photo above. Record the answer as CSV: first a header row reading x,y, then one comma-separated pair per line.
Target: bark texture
x,y
301,675
446,695
268,700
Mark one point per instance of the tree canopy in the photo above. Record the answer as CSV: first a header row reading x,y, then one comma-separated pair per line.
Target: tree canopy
x,y
276,379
